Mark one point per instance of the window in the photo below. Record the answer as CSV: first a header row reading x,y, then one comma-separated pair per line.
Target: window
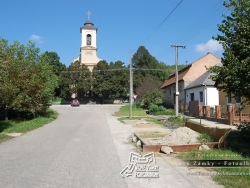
x,y
88,39
238,99
229,98
201,96
192,96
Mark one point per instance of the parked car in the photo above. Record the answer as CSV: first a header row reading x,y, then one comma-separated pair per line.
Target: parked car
x,y
75,102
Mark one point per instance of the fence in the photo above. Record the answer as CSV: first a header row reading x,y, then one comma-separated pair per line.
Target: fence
x,y
228,114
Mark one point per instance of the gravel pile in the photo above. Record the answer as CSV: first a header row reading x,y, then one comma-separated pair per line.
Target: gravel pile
x,y
177,136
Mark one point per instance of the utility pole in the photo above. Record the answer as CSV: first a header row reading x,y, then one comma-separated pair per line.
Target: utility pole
x,y
130,86
176,77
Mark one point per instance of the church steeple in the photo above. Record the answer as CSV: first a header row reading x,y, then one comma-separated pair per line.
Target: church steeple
x,y
88,33
88,46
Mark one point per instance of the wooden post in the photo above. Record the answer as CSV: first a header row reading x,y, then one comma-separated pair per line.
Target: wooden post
x,y
230,115
217,112
207,111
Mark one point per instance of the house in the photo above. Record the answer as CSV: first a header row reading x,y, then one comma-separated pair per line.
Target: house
x,y
185,77
203,89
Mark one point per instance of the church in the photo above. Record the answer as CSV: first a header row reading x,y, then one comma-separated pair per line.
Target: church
x,y
88,48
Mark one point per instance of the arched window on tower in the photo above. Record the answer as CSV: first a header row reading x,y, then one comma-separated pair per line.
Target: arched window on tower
x,y
88,40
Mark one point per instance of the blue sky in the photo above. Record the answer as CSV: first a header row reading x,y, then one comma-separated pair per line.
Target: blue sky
x,y
123,25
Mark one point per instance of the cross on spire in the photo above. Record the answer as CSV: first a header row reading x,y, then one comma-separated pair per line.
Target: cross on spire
x,y
89,14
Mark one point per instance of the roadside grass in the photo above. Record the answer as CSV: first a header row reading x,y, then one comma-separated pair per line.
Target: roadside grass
x,y
205,138
167,112
177,120
124,111
153,120
122,119
222,176
12,126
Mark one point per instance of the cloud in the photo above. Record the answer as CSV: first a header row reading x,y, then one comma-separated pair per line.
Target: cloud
x,y
210,46
36,38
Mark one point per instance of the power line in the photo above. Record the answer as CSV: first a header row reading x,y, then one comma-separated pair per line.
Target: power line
x,y
164,20
108,70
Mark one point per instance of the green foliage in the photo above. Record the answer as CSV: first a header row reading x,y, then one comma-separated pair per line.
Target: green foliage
x,y
205,138
113,83
27,81
28,125
229,181
148,84
101,79
124,111
80,80
244,129
153,97
234,76
53,60
177,120
153,108
119,80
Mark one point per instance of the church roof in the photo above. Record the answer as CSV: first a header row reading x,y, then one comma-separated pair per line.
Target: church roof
x,y
88,25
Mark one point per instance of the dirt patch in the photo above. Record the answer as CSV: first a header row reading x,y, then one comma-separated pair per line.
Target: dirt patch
x,y
145,125
177,136
152,135
14,134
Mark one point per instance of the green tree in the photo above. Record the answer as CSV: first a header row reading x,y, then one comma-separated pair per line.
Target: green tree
x,y
101,79
234,76
119,77
53,60
27,82
148,84
152,97
79,79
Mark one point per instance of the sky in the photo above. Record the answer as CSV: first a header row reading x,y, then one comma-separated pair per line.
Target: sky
x,y
123,26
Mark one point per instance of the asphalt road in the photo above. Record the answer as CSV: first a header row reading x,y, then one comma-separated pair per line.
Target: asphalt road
x,y
76,150
86,147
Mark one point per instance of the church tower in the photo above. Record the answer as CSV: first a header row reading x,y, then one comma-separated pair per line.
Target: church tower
x,y
88,44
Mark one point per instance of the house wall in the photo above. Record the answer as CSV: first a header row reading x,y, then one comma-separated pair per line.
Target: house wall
x,y
223,102
210,95
169,93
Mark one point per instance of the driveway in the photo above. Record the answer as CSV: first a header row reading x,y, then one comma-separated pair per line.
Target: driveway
x,y
85,147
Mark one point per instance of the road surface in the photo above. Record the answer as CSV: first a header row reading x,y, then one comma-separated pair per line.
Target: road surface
x,y
85,147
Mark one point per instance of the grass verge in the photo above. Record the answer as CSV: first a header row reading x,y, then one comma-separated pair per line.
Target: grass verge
x,y
180,121
124,111
223,177
25,126
205,138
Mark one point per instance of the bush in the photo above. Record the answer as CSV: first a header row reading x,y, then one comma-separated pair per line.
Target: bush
x,y
244,129
153,97
161,108
153,108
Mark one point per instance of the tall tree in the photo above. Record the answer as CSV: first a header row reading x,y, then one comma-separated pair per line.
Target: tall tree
x,y
101,79
27,83
234,76
79,78
119,80
53,60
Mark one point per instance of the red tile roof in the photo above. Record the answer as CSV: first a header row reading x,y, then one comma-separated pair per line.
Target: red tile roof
x,y
171,78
